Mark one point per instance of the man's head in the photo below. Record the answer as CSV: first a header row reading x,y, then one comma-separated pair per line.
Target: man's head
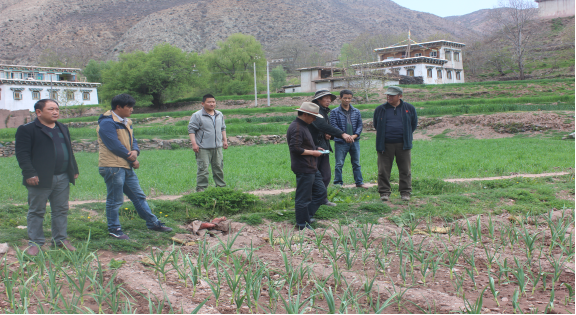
x,y
209,102
346,97
394,95
47,111
123,105
323,98
308,112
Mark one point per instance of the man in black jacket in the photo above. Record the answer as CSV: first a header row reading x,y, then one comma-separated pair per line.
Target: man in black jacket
x,y
44,153
322,132
304,154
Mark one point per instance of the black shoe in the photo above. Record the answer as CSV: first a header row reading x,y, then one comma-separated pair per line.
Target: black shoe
x,y
307,226
160,227
119,234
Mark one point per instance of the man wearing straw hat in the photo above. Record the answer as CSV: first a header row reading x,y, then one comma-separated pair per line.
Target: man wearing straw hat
x,y
304,154
395,122
322,132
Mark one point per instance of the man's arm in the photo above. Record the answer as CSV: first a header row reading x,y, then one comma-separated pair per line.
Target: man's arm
x,y
359,127
414,120
322,125
72,158
109,137
295,144
224,140
193,127
375,117
24,152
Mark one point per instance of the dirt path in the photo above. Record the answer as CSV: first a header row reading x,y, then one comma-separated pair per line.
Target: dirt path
x,y
267,192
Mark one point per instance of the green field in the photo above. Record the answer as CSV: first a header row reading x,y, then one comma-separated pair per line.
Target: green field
x,y
268,166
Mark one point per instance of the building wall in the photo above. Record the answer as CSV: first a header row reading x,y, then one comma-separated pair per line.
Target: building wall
x,y
8,102
306,78
556,8
293,90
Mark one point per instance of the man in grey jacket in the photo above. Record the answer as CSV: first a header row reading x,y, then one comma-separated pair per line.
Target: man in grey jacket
x,y
207,132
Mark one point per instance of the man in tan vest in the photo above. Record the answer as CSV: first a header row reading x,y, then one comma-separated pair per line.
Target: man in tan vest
x,y
118,158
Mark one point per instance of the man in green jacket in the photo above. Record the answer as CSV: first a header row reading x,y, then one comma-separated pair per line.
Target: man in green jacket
x,y
395,122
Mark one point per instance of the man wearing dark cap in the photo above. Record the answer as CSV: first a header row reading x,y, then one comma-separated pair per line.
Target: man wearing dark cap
x,y
322,132
304,154
395,122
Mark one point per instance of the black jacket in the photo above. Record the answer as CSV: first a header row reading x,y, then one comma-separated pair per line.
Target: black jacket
x,y
321,127
36,155
300,139
409,124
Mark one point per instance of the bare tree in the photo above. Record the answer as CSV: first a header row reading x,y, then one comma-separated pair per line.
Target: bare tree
x,y
513,23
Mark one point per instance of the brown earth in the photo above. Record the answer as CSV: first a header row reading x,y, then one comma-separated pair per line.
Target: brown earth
x,y
374,258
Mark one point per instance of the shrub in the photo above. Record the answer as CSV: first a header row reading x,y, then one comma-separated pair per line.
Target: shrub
x,y
223,201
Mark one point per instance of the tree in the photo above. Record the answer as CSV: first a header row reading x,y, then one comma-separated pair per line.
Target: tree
x,y
514,25
161,74
278,78
93,70
232,64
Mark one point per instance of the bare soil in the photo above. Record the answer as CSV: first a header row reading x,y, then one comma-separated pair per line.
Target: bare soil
x,y
379,260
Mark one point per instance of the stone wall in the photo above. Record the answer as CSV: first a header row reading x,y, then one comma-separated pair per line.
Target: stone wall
x,y
13,119
7,148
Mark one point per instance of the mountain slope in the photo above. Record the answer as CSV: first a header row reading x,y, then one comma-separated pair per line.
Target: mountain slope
x,y
103,28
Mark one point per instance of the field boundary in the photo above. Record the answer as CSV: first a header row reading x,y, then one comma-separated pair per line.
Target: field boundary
x,y
268,192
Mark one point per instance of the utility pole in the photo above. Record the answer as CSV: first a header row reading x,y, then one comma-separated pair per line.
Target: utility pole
x,y
255,88
268,80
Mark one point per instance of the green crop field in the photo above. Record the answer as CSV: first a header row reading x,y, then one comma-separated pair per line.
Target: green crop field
x,y
268,166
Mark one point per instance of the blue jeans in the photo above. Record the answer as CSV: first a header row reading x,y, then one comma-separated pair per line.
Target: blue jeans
x,y
310,195
120,181
341,149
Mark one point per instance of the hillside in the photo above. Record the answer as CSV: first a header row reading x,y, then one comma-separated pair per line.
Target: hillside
x,y
478,21
33,30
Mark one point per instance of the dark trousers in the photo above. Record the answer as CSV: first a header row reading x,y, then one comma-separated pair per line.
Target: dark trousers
x,y
58,196
310,195
403,161
325,170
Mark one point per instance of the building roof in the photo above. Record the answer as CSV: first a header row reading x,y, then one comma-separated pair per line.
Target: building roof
x,y
425,44
403,61
320,68
38,69
48,83
291,86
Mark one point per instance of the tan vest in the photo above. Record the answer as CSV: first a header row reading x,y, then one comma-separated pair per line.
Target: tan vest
x,y
107,158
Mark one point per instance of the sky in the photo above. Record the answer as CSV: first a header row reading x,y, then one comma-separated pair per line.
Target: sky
x,y
445,8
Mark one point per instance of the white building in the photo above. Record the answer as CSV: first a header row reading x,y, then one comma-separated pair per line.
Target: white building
x,y
22,86
313,79
555,8
437,62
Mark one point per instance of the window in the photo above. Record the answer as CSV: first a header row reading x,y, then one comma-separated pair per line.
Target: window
x,y
456,56
448,55
17,95
429,71
35,95
86,95
410,72
458,75
70,95
449,75
54,95
418,55
439,74
434,54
